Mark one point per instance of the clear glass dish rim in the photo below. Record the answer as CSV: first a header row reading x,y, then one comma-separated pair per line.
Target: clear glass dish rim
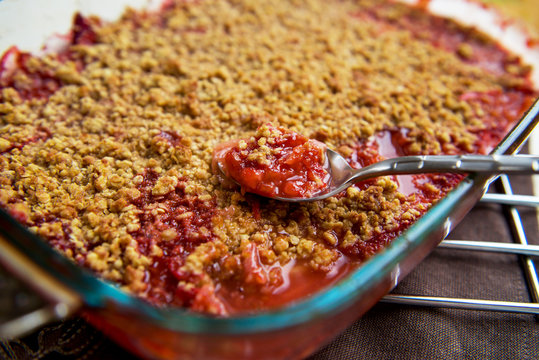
x,y
98,294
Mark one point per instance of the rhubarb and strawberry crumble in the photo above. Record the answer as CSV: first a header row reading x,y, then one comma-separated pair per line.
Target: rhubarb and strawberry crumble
x,y
106,147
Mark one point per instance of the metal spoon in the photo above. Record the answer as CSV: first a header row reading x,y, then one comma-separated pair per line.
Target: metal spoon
x,y
343,175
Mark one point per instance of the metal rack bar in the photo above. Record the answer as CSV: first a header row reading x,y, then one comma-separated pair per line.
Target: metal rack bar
x,y
466,304
516,200
491,246
520,235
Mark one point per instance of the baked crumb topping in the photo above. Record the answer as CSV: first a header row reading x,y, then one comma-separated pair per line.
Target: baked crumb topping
x,y
106,148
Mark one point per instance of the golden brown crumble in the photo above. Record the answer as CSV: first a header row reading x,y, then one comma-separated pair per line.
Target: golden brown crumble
x,y
262,152
91,167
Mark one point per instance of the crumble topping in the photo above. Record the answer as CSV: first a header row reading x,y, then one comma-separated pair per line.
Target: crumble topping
x,y
106,148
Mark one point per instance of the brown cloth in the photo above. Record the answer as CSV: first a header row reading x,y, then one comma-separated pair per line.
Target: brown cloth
x,y
389,331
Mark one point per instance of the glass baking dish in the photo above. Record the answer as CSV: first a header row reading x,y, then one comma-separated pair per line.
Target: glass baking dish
x,y
293,331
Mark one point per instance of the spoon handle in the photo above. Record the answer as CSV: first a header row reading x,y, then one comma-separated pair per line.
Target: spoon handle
x,y
486,164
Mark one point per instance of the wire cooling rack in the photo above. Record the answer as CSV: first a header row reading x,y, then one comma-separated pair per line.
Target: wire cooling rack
x,y
520,246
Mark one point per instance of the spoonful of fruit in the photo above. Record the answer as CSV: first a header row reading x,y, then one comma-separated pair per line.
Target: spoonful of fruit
x,y
283,165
